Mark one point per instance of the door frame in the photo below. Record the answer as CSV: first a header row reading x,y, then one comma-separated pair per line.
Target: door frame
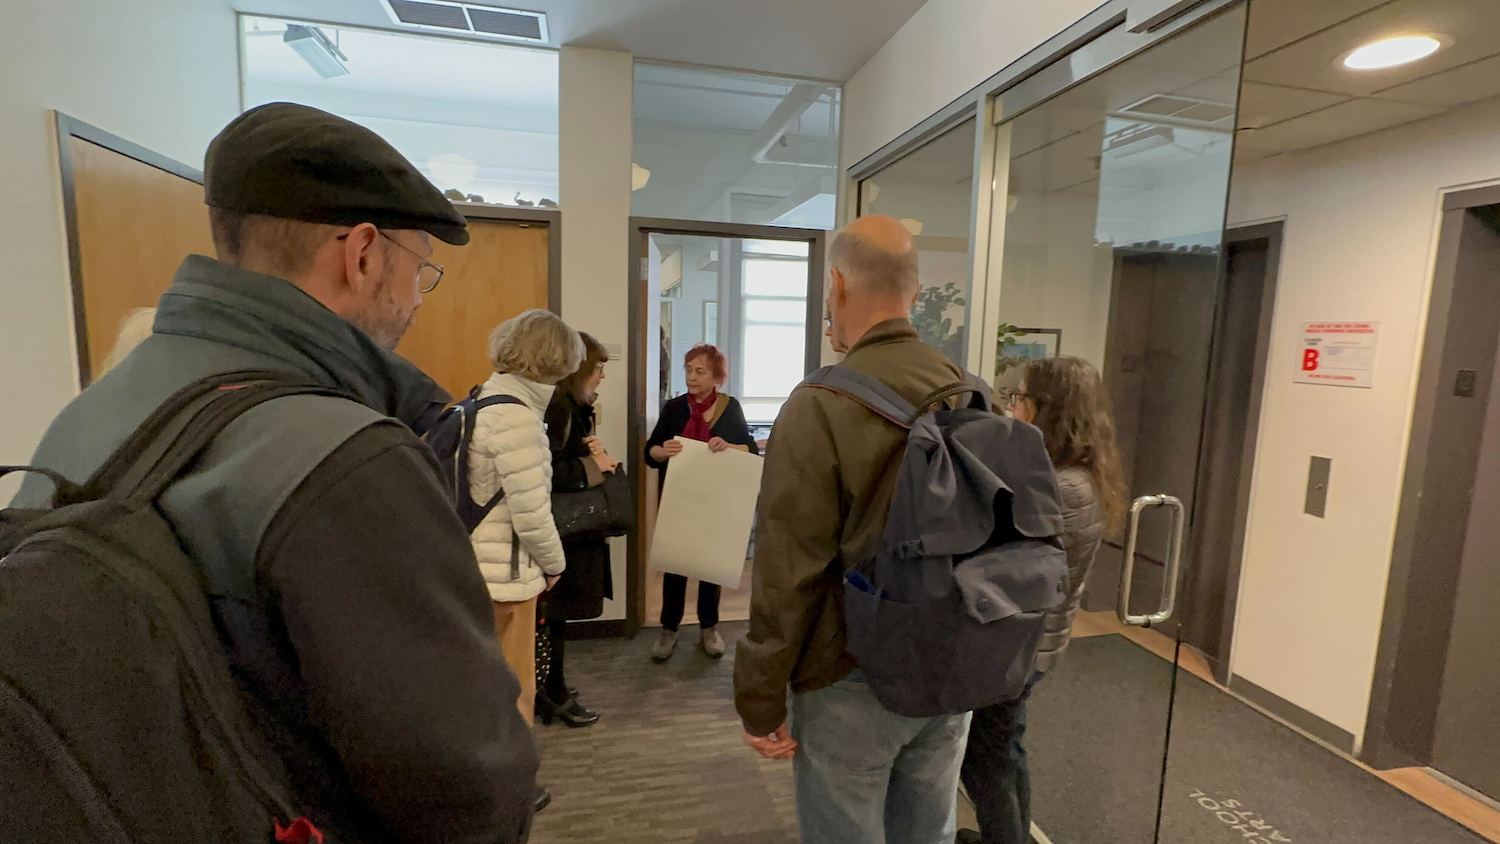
x,y
1420,600
1273,233
641,229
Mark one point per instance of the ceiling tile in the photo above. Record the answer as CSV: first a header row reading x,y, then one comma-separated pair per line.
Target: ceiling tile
x,y
1313,61
1264,105
1346,120
1276,23
1460,86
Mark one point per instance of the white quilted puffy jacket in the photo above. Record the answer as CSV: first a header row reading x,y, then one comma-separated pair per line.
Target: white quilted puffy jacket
x,y
510,452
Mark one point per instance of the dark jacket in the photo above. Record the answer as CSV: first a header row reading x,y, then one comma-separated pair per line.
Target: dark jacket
x,y
1083,530
729,424
341,581
830,474
587,582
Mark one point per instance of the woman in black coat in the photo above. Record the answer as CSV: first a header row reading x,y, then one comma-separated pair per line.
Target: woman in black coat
x,y
579,462
705,415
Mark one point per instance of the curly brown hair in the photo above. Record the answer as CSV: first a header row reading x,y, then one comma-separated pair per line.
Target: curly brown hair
x,y
1073,414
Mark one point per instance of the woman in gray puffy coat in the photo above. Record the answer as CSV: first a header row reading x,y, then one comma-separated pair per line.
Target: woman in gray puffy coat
x,y
1065,398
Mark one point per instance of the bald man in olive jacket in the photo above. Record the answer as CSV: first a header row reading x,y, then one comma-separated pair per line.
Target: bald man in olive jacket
x,y
863,774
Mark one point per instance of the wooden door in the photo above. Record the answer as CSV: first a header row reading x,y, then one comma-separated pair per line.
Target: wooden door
x,y
500,273
135,223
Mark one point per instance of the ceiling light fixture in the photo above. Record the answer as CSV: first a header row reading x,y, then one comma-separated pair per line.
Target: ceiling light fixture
x,y
317,49
1392,52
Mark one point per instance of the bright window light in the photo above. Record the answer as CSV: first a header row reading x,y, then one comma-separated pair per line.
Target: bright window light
x,y
1392,52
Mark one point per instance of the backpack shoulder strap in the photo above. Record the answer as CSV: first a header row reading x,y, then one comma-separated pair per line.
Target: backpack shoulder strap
x,y
178,431
868,391
491,401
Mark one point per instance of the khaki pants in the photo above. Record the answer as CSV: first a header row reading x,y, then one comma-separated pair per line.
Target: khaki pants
x,y
515,629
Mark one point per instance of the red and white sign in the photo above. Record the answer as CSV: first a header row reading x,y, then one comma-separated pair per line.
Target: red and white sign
x,y
1341,354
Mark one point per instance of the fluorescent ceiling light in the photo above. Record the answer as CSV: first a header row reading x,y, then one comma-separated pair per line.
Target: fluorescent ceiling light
x,y
1392,52
315,48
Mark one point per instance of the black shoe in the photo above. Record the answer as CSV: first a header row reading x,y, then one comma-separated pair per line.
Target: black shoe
x,y
968,836
543,800
571,713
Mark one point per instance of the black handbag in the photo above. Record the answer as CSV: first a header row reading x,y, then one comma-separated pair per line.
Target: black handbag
x,y
598,512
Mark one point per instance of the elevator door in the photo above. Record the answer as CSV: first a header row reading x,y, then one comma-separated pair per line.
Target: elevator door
x,y
1466,742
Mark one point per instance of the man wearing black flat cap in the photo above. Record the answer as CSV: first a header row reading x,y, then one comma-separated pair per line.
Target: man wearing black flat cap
x,y
343,586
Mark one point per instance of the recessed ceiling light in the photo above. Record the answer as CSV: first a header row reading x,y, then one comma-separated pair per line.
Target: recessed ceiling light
x,y
1392,52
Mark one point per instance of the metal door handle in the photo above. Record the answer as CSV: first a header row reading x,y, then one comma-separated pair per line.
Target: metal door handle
x,y
1174,560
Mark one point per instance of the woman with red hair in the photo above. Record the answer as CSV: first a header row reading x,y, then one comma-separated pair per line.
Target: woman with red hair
x,y
706,415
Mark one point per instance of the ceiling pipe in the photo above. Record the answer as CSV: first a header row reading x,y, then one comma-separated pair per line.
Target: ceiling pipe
x,y
792,106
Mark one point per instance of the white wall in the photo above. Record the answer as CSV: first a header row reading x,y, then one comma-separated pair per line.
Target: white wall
x,y
594,123
162,74
1360,242
947,47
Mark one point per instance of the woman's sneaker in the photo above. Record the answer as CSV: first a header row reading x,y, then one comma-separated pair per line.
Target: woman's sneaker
x,y
713,643
665,644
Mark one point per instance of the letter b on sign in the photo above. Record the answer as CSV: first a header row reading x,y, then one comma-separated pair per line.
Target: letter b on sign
x,y
1309,360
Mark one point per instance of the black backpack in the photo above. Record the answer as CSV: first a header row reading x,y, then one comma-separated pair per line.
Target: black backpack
x,y
449,439
119,719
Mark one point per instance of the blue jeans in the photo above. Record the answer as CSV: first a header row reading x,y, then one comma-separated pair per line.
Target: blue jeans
x,y
865,775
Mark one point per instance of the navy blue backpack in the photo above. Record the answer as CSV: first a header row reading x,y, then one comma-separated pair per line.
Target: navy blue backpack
x,y
449,439
946,615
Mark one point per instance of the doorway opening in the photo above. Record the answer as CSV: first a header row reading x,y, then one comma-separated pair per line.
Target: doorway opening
x,y
755,292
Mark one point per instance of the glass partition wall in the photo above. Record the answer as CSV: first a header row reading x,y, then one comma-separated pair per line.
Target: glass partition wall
x,y
931,191
1106,222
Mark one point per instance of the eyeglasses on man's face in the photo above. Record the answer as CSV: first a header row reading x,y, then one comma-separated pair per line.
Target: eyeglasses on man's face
x,y
428,273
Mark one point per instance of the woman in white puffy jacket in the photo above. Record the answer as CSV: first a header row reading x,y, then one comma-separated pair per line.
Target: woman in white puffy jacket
x,y
520,554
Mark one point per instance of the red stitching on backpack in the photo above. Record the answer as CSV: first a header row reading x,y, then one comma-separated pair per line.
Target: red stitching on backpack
x,y
301,831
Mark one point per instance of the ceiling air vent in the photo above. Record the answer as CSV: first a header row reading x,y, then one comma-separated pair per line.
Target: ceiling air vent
x,y
1182,111
481,21
508,24
438,15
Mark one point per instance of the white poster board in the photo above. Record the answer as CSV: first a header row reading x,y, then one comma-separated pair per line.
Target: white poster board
x,y
707,511
1340,354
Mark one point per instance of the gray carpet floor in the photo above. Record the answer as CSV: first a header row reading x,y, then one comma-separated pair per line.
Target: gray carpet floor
x,y
1095,744
665,764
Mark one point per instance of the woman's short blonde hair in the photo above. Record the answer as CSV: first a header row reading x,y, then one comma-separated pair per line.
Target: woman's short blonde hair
x,y
536,345
134,329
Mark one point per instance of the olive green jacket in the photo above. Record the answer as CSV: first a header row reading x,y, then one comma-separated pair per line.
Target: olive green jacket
x,y
829,477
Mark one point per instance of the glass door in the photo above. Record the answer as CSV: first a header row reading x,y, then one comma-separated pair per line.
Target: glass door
x,y
1106,227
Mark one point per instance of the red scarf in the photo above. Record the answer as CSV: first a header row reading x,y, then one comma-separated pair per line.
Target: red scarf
x,y
697,424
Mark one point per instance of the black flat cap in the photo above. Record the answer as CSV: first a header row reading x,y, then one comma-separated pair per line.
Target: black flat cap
x,y
299,163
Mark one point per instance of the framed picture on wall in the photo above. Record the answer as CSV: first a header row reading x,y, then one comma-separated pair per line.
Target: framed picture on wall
x,y
1019,345
711,322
